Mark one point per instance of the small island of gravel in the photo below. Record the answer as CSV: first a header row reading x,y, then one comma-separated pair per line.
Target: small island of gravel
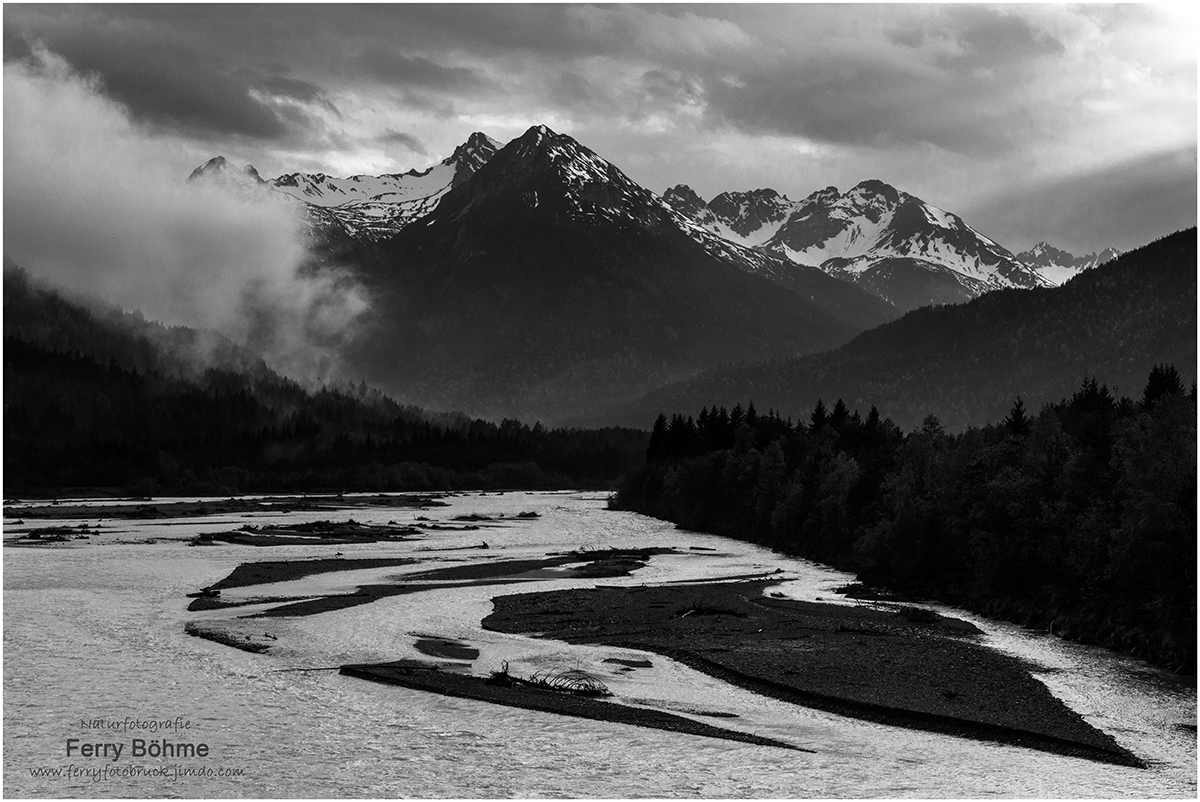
x,y
902,666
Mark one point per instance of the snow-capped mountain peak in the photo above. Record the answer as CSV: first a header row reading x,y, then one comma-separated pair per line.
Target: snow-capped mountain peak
x,y
746,218
574,163
906,250
325,190
553,172
1045,251
903,249
871,199
685,200
471,155
755,215
543,174
1058,266
361,206
221,171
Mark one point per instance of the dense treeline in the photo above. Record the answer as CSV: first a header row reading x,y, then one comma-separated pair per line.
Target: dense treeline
x,y
1080,518
72,422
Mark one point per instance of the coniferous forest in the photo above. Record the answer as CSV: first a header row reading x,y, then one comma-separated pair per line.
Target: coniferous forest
x,y
1079,518
96,399
71,422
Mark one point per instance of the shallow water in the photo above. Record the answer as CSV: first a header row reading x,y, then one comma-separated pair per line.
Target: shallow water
x,y
94,630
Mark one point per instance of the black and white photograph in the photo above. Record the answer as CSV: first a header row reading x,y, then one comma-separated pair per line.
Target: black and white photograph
x,y
599,401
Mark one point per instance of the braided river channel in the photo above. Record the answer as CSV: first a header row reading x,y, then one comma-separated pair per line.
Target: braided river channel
x,y
95,653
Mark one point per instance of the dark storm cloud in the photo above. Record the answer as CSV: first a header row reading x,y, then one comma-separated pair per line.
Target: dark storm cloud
x,y
179,91
852,101
130,230
586,98
670,88
296,89
952,79
429,55
330,36
816,93
390,137
1121,206
162,81
490,30
981,36
391,66
16,46
989,37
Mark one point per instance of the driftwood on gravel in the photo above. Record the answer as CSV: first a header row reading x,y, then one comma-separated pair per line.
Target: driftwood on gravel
x,y
427,677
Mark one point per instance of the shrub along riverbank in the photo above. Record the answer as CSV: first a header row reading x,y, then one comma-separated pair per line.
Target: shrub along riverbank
x,y
1080,519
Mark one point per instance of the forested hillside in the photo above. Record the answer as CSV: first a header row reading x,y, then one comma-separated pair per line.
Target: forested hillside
x,y
1080,518
100,399
967,362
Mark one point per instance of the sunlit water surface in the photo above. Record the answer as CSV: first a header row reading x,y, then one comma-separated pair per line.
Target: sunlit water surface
x,y
93,630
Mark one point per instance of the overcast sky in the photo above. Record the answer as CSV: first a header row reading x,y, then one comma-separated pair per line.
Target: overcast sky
x,y
1075,124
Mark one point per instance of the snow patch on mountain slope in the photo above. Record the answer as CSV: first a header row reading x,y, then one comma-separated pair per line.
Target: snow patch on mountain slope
x,y
939,217
754,238
1058,274
745,218
858,238
322,190
847,234
360,206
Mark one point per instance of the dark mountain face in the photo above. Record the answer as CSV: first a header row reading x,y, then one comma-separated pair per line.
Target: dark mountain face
x,y
220,170
553,176
968,363
746,218
470,156
912,283
685,200
549,284
810,225
1044,254
747,212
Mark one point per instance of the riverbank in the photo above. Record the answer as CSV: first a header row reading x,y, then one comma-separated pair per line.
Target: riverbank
x,y
148,509
900,666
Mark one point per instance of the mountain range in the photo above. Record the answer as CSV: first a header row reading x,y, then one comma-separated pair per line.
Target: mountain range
x,y
904,250
550,284
1057,266
542,282
968,363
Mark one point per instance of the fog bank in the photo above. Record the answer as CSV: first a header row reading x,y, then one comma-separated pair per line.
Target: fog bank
x,y
96,205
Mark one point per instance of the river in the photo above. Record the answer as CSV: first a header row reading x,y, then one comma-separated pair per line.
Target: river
x,y
95,650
